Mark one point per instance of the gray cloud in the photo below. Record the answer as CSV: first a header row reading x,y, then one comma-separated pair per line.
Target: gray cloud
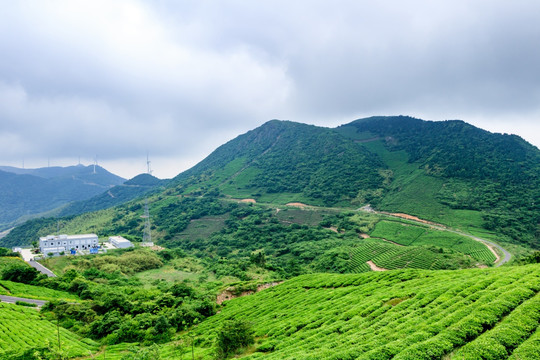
x,y
180,78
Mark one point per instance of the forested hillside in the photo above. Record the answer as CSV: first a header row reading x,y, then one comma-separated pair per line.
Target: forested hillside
x,y
283,157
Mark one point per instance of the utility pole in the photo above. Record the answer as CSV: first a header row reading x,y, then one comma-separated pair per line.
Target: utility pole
x,y
192,346
58,333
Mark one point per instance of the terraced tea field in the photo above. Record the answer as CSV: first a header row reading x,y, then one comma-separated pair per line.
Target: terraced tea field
x,y
412,235
23,328
390,257
405,314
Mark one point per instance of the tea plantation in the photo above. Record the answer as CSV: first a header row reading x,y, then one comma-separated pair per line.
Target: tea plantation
x,y
402,314
24,328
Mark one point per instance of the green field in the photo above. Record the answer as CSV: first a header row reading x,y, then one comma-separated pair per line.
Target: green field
x,y
23,328
407,314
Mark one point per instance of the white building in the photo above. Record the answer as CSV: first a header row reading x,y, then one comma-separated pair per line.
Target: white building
x,y
120,242
65,243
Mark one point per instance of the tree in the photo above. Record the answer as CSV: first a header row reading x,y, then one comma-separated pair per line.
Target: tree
x,y
233,335
20,273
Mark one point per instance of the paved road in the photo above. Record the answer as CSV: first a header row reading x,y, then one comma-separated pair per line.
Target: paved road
x,y
41,268
13,299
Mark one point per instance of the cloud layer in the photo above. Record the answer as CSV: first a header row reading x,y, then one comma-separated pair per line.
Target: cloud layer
x,y
177,79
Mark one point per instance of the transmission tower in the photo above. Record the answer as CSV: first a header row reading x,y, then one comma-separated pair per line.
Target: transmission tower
x,y
147,235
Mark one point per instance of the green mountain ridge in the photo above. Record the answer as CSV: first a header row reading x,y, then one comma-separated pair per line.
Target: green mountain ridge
x,y
29,192
430,169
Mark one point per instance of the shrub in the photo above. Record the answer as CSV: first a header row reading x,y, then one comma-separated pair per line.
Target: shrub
x,y
233,335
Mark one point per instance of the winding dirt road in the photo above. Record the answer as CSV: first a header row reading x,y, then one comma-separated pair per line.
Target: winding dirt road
x,y
489,244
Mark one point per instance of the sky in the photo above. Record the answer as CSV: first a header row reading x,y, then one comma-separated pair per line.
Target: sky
x,y
117,80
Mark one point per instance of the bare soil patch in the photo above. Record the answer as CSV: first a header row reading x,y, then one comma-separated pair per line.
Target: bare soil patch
x,y
375,267
252,201
228,294
411,217
297,204
392,242
363,236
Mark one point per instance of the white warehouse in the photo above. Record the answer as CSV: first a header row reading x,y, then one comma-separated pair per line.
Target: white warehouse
x,y
64,243
120,242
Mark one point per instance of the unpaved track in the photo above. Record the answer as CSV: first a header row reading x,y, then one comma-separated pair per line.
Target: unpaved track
x,y
375,267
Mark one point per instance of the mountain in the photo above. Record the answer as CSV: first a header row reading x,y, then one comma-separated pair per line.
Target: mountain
x,y
439,167
119,194
294,203
282,157
449,171
28,192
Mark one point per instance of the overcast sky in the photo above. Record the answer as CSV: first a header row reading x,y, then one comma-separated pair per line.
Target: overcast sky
x,y
118,79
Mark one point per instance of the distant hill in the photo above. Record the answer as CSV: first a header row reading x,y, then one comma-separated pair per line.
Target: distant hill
x,y
131,189
27,192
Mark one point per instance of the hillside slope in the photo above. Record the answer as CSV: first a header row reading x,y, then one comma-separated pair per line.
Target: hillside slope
x,y
449,171
282,157
407,314
451,165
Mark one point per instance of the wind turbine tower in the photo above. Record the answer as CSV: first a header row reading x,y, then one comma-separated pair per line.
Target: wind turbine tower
x,y
148,169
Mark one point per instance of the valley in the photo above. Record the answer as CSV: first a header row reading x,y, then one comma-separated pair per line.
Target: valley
x,y
385,238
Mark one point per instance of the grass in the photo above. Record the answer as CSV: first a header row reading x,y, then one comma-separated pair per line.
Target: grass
x,y
168,274
311,217
57,264
203,227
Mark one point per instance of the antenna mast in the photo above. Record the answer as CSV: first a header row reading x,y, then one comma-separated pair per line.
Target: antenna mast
x,y
95,163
